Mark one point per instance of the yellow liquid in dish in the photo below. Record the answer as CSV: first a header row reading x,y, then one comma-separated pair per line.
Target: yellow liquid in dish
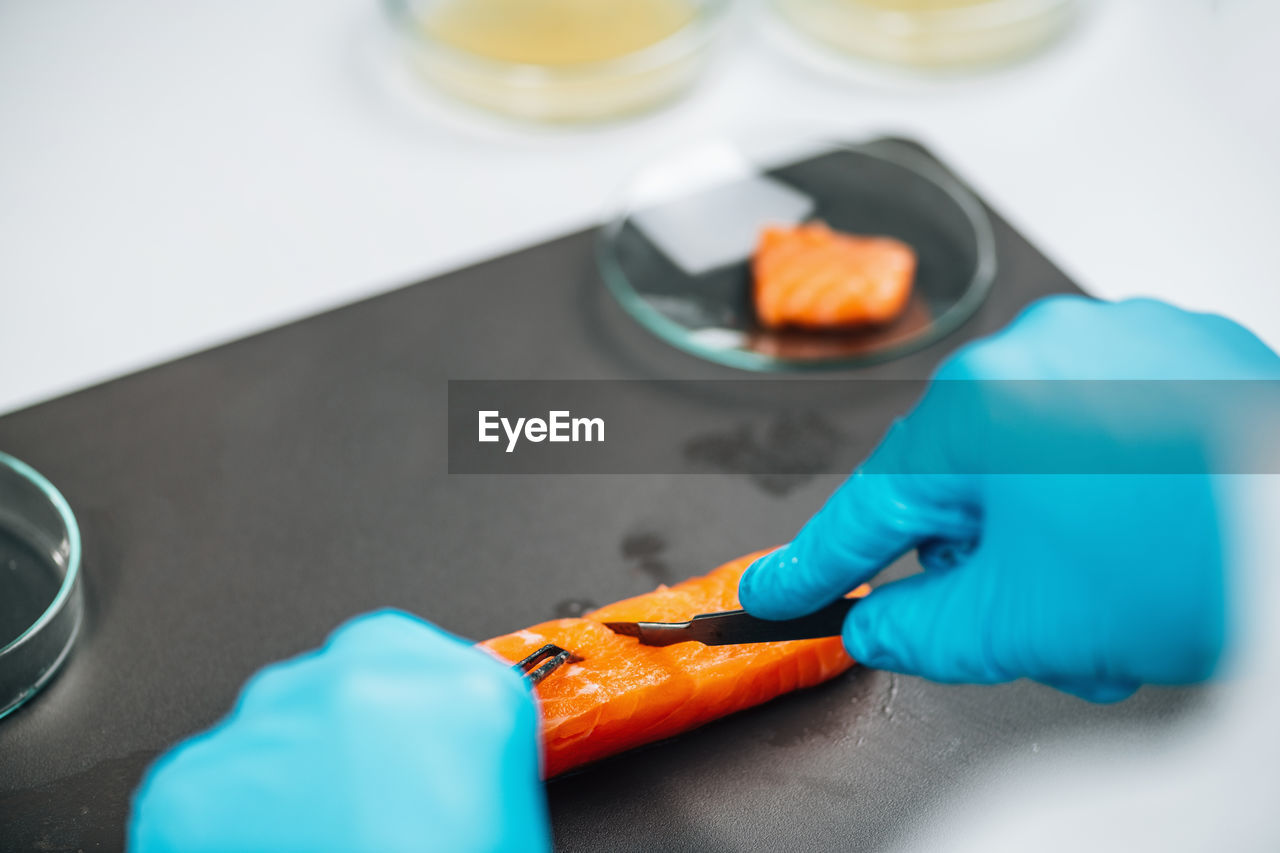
x,y
556,32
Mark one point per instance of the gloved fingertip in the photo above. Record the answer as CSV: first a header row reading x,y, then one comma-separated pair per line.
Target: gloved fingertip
x,y
758,586
390,627
861,639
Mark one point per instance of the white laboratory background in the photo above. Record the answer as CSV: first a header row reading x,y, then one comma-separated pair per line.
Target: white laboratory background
x,y
176,175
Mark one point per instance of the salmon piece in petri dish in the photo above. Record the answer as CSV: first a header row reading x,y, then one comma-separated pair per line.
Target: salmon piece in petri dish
x,y
812,277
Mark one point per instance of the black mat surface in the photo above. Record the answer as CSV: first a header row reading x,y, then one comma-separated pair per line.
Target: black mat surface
x,y
237,504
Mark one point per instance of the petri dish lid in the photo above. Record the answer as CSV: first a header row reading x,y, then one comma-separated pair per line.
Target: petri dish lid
x,y
41,604
880,41
677,255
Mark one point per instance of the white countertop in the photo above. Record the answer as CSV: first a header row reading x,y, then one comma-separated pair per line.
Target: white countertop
x,y
173,176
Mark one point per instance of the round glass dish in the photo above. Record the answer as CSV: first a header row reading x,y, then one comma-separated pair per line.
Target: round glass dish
x,y
931,35
558,60
677,257
40,600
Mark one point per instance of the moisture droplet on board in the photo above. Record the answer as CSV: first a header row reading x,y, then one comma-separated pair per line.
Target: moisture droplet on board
x,y
574,608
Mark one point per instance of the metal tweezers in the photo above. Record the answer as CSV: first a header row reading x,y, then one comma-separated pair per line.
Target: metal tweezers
x,y
545,661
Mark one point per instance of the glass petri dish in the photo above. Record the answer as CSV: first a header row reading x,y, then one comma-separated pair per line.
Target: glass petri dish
x,y
931,35
558,60
677,256
41,604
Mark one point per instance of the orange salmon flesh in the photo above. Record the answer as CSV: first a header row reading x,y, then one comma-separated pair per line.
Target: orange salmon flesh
x,y
622,695
811,277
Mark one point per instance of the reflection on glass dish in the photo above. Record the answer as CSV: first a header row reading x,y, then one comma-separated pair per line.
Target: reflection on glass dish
x,y
678,256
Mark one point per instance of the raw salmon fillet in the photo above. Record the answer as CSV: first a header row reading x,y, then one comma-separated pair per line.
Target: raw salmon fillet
x,y
812,277
622,694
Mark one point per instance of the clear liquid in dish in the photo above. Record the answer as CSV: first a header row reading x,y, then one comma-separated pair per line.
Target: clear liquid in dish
x,y
28,585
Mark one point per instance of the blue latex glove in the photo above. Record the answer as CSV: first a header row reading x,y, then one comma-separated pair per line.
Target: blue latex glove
x,y
394,736
1093,583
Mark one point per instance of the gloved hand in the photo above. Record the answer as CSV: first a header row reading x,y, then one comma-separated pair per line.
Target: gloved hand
x,y
394,736
1091,582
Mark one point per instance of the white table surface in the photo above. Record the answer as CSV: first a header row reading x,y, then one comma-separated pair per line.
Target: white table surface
x,y
177,175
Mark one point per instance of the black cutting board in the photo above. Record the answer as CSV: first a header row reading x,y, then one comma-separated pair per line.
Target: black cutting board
x,y
239,503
